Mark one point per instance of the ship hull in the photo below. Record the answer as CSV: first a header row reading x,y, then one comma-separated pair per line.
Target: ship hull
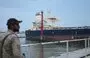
x,y
55,35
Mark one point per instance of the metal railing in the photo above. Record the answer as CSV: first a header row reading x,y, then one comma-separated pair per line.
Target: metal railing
x,y
58,49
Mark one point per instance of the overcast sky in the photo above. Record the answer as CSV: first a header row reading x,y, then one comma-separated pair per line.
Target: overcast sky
x,y
69,12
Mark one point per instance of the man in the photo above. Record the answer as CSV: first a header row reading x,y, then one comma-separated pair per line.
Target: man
x,y
9,42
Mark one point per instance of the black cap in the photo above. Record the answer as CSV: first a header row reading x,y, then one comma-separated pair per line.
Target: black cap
x,y
12,21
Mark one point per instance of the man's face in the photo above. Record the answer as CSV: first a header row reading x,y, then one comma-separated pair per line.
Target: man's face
x,y
16,27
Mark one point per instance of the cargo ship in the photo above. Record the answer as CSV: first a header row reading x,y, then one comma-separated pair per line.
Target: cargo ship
x,y
44,32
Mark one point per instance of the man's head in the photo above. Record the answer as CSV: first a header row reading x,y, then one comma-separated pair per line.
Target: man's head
x,y
13,24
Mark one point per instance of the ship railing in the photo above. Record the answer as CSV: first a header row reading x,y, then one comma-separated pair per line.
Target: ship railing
x,y
57,49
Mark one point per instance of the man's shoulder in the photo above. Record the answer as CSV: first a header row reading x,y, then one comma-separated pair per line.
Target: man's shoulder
x,y
12,35
2,35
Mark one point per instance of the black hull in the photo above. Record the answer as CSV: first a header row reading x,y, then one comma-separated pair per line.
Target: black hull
x,y
57,35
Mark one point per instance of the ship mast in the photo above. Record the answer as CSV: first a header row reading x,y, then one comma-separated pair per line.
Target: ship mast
x,y
41,25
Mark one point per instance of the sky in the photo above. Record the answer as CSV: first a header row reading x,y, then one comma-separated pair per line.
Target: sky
x,y
70,13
